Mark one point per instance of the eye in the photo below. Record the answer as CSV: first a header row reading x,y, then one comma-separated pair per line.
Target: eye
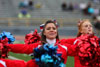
x,y
48,28
86,25
90,25
54,28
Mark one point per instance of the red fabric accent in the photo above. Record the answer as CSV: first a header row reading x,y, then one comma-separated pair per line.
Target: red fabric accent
x,y
14,63
1,65
23,48
69,41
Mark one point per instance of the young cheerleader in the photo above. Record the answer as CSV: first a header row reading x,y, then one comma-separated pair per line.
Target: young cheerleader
x,y
49,36
84,28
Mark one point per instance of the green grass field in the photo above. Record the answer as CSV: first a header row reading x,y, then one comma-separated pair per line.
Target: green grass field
x,y
70,60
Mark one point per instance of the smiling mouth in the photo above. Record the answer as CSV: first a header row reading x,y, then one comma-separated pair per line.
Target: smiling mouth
x,y
51,34
89,30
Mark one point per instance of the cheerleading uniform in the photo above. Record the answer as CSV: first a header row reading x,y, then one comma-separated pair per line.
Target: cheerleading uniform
x,y
70,42
74,41
12,63
63,49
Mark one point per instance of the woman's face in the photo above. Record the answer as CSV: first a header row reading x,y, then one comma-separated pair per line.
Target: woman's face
x,y
50,31
86,28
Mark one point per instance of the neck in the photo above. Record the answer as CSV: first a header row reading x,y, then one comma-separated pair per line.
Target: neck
x,y
51,41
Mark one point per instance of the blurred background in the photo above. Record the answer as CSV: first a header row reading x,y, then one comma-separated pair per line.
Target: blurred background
x,y
20,17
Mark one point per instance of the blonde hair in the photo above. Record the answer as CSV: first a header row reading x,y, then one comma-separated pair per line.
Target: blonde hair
x,y
80,23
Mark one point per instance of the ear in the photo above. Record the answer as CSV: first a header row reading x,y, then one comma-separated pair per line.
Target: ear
x,y
81,31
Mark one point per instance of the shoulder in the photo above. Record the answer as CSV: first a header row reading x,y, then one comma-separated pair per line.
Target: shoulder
x,y
63,46
68,39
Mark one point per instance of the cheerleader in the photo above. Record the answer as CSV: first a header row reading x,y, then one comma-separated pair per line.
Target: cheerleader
x,y
5,38
49,35
84,27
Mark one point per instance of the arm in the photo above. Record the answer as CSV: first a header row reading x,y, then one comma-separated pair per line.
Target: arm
x,y
72,49
68,41
22,48
13,63
70,44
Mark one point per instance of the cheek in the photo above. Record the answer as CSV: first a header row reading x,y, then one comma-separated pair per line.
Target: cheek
x,y
83,30
92,29
56,32
46,33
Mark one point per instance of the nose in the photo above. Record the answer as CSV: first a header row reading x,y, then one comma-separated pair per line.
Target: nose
x,y
89,27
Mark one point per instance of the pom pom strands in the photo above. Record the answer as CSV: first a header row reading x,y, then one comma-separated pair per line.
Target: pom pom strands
x,y
5,39
47,56
32,37
88,51
7,35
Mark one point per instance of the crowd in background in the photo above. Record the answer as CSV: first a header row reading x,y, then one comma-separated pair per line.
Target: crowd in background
x,y
86,9
24,7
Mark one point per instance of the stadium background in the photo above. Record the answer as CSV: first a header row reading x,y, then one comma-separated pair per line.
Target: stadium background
x,y
42,11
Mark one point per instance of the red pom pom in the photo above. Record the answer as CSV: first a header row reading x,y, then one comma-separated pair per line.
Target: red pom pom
x,y
4,49
87,51
32,37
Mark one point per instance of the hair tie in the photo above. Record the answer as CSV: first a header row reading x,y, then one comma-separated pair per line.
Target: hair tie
x,y
79,22
41,26
55,23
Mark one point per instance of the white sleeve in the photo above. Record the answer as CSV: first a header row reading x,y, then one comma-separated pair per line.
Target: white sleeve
x,y
64,47
75,41
3,63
